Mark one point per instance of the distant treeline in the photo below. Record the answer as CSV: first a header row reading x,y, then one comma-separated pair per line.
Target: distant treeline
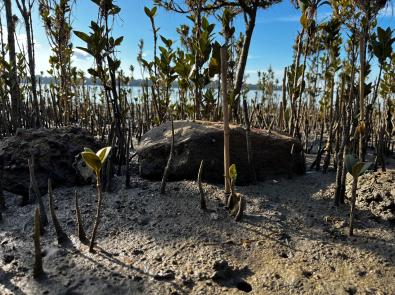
x,y
138,82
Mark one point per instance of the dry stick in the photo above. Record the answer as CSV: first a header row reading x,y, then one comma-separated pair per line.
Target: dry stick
x,y
38,262
199,180
169,162
224,88
248,143
33,189
80,226
60,234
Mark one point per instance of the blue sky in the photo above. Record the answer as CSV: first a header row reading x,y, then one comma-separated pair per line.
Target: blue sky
x,y
273,38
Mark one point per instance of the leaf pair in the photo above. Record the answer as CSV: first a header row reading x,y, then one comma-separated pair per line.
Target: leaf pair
x,y
94,160
354,167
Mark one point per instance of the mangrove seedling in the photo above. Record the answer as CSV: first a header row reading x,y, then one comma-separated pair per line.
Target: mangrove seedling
x,y
355,168
95,161
38,261
236,202
203,205
80,227
60,234
35,194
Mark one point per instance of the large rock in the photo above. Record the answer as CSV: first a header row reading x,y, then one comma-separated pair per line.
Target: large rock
x,y
196,141
54,151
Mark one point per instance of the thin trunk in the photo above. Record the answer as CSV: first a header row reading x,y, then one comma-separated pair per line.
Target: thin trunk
x,y
362,56
14,81
26,14
243,59
224,88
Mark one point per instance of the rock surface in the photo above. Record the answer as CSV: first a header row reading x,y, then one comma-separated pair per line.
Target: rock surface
x,y
54,151
196,141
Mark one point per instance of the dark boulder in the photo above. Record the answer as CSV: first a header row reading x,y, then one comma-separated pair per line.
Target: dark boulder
x,y
196,141
54,152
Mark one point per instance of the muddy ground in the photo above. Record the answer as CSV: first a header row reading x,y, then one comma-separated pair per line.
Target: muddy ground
x,y
292,241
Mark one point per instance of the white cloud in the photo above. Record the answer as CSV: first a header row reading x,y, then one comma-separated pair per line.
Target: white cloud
x,y
291,18
80,54
387,12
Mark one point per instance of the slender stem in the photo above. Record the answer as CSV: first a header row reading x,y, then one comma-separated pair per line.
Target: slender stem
x,y
353,201
98,212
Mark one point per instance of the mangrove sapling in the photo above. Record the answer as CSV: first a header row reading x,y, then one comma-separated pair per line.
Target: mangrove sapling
x,y
95,162
38,261
169,162
203,205
26,7
355,168
60,234
80,226
236,203
56,18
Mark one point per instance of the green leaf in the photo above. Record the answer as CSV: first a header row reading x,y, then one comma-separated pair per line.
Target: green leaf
x,y
350,161
92,160
103,154
88,150
83,36
93,72
150,12
233,172
118,41
360,168
115,10
167,42
84,49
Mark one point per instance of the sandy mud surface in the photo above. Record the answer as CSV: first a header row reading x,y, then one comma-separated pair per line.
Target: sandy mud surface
x,y
292,241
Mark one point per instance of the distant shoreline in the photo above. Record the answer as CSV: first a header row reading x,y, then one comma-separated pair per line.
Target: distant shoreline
x,y
139,82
